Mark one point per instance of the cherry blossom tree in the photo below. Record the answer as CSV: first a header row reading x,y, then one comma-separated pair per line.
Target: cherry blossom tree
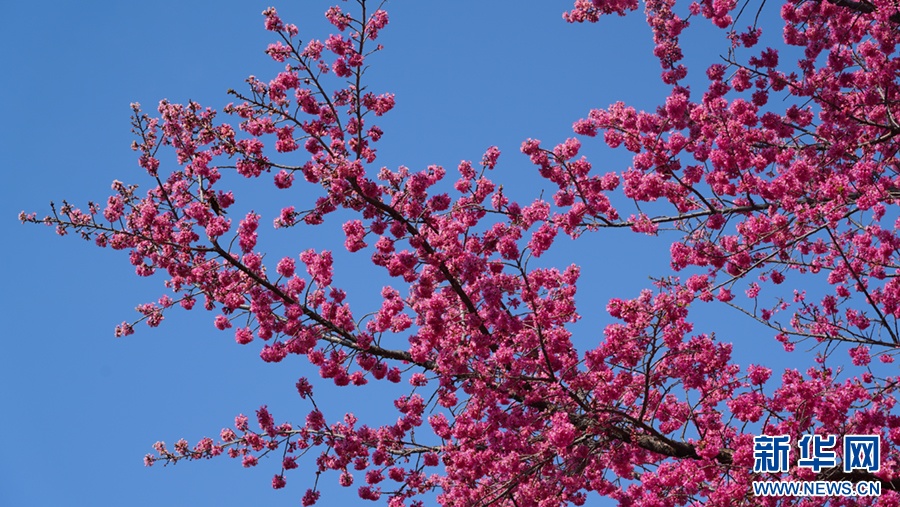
x,y
773,186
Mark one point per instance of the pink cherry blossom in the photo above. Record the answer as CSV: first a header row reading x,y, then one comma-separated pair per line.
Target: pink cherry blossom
x,y
771,173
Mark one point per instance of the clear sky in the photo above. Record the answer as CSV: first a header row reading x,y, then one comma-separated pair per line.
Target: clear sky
x,y
79,408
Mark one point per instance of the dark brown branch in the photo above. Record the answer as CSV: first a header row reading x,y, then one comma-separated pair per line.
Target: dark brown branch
x,y
863,7
838,474
346,339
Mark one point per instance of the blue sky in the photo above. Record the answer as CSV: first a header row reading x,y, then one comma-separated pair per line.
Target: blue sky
x,y
81,408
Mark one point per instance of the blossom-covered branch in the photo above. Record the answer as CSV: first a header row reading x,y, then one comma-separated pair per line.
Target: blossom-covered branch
x,y
778,173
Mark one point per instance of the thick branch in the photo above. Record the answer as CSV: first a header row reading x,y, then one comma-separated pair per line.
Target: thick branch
x,y
864,7
666,446
838,474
